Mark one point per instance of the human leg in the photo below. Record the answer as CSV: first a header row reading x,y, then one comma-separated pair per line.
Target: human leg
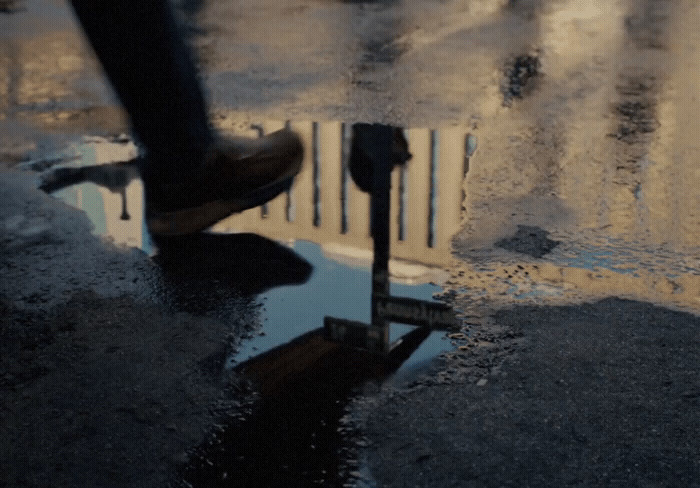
x,y
154,76
192,176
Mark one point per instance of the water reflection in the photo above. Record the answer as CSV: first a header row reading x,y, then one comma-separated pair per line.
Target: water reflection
x,y
325,207
303,382
291,436
309,254
204,272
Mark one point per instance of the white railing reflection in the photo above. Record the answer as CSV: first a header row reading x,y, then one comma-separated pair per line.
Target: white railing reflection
x,y
325,206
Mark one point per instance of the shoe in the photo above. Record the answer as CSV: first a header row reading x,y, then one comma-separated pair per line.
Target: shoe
x,y
237,174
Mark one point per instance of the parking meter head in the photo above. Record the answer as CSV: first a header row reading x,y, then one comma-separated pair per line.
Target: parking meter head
x,y
363,152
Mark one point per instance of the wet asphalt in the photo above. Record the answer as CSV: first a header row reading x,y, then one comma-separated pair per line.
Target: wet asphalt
x,y
575,272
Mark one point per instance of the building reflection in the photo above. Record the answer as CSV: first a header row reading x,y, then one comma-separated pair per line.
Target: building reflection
x,y
426,198
102,178
325,206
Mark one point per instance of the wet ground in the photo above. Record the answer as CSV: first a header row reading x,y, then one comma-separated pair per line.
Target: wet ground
x,y
550,198
301,380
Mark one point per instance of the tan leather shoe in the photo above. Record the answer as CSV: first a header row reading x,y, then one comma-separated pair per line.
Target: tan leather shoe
x,y
237,174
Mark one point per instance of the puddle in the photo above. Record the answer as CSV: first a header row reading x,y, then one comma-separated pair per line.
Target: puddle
x,y
333,289
314,280
100,176
307,258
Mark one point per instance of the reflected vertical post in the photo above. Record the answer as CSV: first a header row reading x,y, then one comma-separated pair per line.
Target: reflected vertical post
x,y
381,184
125,214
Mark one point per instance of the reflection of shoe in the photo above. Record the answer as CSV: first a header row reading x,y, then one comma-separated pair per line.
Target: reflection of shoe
x,y
237,174
201,267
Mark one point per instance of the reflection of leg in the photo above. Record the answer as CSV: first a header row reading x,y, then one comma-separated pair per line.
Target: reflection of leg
x,y
152,71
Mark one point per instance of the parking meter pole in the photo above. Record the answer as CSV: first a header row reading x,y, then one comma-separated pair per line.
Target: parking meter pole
x,y
380,224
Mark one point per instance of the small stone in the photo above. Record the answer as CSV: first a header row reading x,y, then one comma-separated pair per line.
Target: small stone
x,y
482,382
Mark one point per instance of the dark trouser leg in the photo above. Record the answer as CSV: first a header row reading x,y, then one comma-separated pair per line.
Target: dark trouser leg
x,y
152,71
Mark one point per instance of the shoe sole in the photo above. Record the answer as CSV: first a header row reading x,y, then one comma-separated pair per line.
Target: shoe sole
x,y
195,219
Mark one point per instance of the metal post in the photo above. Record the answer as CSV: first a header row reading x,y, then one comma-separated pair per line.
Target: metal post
x,y
371,166
380,141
